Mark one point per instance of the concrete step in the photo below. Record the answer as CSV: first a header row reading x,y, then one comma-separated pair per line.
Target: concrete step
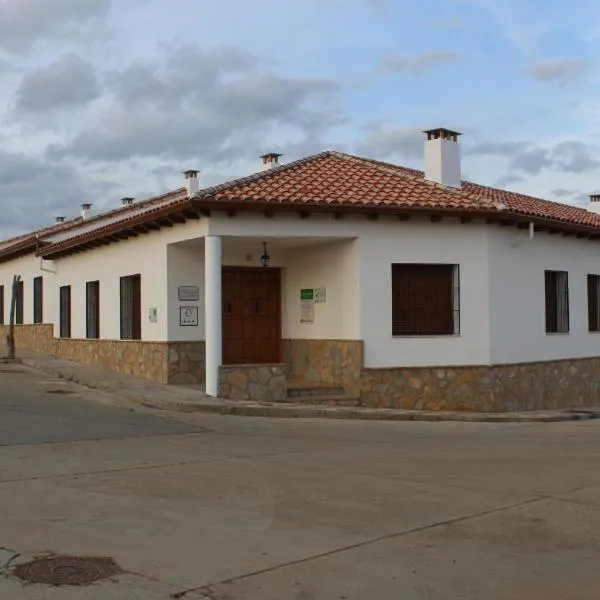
x,y
326,400
298,389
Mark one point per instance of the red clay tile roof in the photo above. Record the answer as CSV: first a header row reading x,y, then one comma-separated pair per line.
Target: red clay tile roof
x,y
340,182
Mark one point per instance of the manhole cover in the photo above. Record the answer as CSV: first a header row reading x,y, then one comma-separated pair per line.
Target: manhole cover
x,y
65,392
67,570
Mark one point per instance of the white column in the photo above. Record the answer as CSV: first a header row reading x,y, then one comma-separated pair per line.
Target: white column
x,y
212,315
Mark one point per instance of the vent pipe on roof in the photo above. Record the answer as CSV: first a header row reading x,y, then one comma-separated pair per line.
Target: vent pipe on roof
x,y
270,160
192,183
59,219
594,203
442,157
127,201
86,210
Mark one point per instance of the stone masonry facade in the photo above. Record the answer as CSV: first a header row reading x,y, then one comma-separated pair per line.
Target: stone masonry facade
x,y
163,362
558,384
326,361
261,383
497,388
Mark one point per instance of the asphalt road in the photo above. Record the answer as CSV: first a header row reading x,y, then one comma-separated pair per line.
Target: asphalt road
x,y
231,508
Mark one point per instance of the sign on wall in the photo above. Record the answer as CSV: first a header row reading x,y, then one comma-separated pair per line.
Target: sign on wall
x,y
188,316
153,315
188,293
320,295
307,306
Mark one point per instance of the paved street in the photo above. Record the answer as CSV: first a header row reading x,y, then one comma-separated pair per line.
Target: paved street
x,y
229,508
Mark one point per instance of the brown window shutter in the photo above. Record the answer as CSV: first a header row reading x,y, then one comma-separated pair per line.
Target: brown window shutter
x,y
422,299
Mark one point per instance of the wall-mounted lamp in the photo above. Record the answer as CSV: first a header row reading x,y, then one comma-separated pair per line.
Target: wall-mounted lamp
x,y
265,259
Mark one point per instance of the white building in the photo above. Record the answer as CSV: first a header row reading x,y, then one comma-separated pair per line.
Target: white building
x,y
406,289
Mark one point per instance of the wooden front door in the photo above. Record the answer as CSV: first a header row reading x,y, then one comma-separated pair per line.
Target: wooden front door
x,y
251,316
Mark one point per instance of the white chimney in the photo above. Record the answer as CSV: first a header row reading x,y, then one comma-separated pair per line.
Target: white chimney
x,y
59,219
192,183
594,203
270,160
86,210
442,157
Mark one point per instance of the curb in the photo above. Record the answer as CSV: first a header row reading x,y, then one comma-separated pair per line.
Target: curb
x,y
278,411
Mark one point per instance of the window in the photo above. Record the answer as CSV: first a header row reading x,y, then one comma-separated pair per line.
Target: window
x,y
1,305
65,311
593,292
92,312
19,304
557,301
425,299
131,308
38,300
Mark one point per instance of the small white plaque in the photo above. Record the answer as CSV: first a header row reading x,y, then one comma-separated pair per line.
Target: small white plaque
x,y
188,293
320,295
188,316
153,315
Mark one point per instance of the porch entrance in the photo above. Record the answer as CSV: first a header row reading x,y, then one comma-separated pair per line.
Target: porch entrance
x,y
251,315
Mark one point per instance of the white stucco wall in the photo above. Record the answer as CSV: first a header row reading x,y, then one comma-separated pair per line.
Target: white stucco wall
x,y
501,283
145,255
28,267
517,295
385,242
334,267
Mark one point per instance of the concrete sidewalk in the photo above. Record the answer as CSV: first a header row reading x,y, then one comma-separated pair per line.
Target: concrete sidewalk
x,y
182,399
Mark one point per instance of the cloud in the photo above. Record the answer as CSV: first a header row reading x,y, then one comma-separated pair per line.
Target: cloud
x,y
506,180
419,62
39,191
569,156
501,148
383,141
213,104
68,82
559,70
25,22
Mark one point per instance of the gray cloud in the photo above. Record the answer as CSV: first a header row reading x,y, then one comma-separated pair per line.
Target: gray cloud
x,y
496,148
419,62
35,191
68,82
506,180
25,22
532,161
559,70
570,156
383,140
212,105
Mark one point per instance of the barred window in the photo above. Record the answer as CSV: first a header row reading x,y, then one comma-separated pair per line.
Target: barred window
x,y
557,301
19,312
38,300
65,311
131,308
593,292
92,310
425,299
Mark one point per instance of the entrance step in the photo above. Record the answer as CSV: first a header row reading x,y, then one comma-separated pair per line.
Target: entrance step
x,y
328,400
302,389
301,392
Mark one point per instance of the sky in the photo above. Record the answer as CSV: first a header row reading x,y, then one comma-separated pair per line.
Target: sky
x,y
102,99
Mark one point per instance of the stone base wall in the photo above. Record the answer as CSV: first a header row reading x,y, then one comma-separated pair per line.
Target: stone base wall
x,y
187,363
261,383
37,338
326,361
164,362
497,388
147,360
